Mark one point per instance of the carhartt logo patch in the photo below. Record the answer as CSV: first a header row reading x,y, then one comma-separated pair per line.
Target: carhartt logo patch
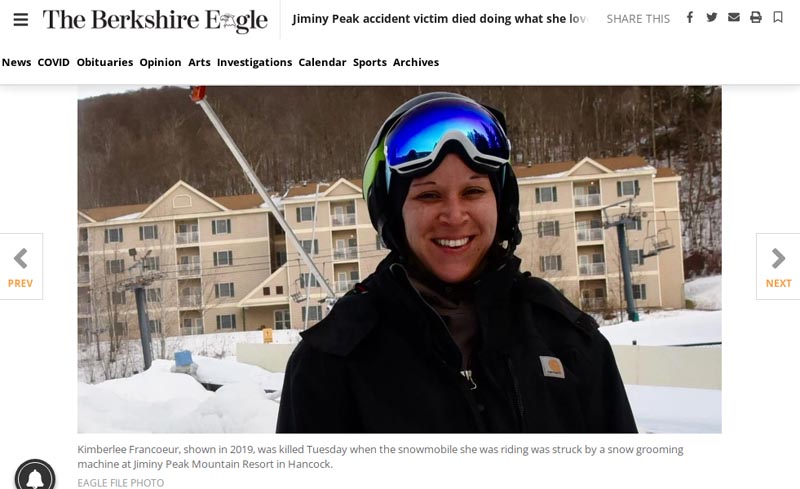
x,y
552,367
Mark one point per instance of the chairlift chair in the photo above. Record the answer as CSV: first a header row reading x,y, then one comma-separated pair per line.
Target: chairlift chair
x,y
660,240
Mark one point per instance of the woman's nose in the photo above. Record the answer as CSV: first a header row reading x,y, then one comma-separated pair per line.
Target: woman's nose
x,y
453,212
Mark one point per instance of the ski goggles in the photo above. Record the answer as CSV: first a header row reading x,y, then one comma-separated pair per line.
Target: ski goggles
x,y
413,143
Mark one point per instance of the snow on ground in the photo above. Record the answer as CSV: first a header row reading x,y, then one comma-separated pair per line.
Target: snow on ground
x,y
705,292
668,328
675,409
161,401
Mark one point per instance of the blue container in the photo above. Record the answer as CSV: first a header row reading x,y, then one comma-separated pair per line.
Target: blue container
x,y
183,358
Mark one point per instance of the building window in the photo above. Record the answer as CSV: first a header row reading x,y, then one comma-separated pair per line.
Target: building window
x,y
314,313
282,319
114,235
550,263
153,295
636,257
280,258
305,214
120,328
266,291
221,226
115,266
548,228
640,291
223,258
546,194
628,187
148,232
224,290
155,326
151,264
118,298
308,278
226,321
636,225
306,244
279,289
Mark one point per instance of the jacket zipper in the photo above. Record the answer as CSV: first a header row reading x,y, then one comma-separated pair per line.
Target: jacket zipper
x,y
520,407
466,374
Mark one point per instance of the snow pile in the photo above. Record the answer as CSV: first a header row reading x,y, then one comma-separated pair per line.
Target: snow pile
x,y
159,401
705,292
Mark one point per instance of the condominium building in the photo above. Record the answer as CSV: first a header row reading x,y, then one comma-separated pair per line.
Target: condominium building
x,y
210,264
568,216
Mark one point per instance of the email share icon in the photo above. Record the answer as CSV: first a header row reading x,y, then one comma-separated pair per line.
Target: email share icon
x,y
733,16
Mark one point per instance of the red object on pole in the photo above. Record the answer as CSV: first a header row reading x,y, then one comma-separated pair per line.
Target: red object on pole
x,y
198,93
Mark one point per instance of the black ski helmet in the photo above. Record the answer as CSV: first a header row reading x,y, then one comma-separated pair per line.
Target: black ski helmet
x,y
385,205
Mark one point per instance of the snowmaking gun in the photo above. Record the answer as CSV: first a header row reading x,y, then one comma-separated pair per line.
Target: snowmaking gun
x,y
198,95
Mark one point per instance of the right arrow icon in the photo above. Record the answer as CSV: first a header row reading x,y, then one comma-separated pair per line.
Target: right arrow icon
x,y
780,258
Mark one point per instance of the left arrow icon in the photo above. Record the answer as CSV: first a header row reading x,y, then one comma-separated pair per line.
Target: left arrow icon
x,y
19,256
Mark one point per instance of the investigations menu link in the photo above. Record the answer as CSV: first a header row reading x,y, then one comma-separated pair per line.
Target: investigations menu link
x,y
201,62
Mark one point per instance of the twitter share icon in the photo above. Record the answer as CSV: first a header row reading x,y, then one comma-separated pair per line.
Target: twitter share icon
x,y
711,17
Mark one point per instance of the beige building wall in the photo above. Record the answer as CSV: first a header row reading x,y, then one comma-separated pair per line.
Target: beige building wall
x,y
343,215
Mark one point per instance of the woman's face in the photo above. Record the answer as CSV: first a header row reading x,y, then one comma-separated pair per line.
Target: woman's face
x,y
451,219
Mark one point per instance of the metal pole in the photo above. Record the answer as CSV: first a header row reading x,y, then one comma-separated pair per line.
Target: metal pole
x,y
144,326
626,270
248,171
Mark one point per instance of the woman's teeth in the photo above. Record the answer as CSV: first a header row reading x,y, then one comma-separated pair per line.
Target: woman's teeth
x,y
452,243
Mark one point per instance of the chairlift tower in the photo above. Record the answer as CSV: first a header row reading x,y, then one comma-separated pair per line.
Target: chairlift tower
x,y
620,223
138,285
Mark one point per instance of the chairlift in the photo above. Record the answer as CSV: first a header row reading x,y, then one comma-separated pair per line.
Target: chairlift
x,y
660,240
299,294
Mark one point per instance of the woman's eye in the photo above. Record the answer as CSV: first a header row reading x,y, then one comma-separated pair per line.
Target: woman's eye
x,y
427,196
474,191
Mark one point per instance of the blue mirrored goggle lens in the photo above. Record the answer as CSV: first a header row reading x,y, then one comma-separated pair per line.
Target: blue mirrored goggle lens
x,y
417,133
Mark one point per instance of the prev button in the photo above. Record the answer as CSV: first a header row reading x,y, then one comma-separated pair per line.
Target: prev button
x,y
20,266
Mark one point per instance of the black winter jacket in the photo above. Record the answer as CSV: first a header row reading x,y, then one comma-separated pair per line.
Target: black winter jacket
x,y
383,361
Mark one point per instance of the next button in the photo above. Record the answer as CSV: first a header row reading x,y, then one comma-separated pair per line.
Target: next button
x,y
779,282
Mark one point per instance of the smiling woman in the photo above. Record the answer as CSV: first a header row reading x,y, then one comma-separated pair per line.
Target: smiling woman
x,y
448,335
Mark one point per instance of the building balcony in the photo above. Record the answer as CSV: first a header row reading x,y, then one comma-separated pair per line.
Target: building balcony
x,y
593,304
594,234
196,327
189,270
592,269
83,278
84,309
345,285
83,247
587,200
349,253
343,220
190,301
187,238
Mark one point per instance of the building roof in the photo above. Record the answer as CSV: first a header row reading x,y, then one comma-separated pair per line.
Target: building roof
x,y
542,169
232,202
240,202
665,172
107,213
307,188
